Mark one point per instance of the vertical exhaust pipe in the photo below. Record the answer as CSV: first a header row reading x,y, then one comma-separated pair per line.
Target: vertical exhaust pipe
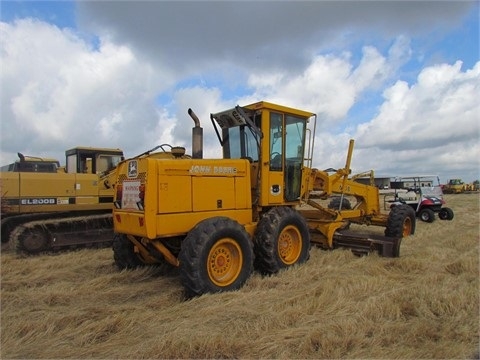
x,y
197,137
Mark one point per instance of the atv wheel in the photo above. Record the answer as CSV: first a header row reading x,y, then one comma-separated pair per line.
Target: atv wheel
x,y
124,253
335,204
216,255
401,221
282,239
445,214
427,215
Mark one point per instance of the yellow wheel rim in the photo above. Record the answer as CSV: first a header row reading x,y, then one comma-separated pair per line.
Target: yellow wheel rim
x,y
225,261
290,245
407,227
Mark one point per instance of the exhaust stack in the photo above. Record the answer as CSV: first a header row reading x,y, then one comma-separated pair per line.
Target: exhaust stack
x,y
197,137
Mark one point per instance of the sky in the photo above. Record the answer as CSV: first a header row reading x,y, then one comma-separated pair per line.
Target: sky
x,y
401,78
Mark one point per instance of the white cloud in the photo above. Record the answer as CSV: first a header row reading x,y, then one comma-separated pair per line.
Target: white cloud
x,y
57,92
442,107
192,36
330,84
429,127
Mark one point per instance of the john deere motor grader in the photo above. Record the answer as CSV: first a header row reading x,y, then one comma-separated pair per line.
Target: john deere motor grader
x,y
218,219
45,206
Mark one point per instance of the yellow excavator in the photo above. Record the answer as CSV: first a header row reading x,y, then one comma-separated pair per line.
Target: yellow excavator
x,y
261,206
46,206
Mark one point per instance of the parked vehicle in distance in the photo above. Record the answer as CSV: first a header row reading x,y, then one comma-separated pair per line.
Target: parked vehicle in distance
x,y
454,186
426,201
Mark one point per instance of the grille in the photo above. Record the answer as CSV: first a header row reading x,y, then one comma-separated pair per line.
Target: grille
x,y
141,176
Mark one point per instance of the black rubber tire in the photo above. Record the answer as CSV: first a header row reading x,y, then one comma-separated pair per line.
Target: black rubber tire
x,y
335,204
427,215
124,254
215,256
445,214
282,239
401,221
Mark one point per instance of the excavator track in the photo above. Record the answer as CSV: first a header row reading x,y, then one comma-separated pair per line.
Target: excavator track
x,y
39,236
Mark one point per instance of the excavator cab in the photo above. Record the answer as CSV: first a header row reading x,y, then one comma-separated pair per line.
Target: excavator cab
x,y
87,160
273,139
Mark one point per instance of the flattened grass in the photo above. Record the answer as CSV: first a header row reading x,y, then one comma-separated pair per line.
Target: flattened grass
x,y
424,304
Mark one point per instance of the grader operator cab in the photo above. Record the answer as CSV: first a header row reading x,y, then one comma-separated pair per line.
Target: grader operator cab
x,y
218,219
45,207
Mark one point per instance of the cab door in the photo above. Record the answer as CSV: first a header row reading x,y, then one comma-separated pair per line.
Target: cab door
x,y
295,129
286,150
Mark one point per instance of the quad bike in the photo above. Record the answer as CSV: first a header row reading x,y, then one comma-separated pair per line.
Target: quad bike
x,y
425,201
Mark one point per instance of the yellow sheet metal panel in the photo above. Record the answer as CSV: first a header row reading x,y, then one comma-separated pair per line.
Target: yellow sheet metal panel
x,y
174,194
213,193
130,223
243,198
9,184
86,187
181,224
46,184
171,224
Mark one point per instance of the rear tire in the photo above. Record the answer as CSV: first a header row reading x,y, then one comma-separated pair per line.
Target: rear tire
x,y
282,239
427,215
445,214
124,253
215,256
335,204
401,222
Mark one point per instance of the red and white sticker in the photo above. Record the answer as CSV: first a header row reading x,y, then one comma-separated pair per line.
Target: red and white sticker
x,y
130,196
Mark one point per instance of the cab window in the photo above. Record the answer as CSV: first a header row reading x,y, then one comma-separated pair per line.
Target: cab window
x,y
276,141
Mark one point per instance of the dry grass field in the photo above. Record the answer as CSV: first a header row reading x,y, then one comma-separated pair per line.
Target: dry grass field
x,y
424,304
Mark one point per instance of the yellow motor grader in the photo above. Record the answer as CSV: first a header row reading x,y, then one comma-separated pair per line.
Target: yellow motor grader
x,y
258,207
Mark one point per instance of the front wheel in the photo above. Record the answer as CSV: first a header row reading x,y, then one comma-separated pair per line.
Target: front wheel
x,y
445,214
427,215
215,256
401,222
281,240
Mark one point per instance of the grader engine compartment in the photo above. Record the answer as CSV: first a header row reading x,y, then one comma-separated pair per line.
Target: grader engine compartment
x,y
179,193
219,219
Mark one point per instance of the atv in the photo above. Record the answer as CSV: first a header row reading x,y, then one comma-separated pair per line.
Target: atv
x,y
425,201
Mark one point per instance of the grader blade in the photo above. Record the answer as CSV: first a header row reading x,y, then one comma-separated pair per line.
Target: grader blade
x,y
363,244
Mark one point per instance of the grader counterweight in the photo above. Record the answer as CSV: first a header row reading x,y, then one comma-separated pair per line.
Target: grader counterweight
x,y
258,207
